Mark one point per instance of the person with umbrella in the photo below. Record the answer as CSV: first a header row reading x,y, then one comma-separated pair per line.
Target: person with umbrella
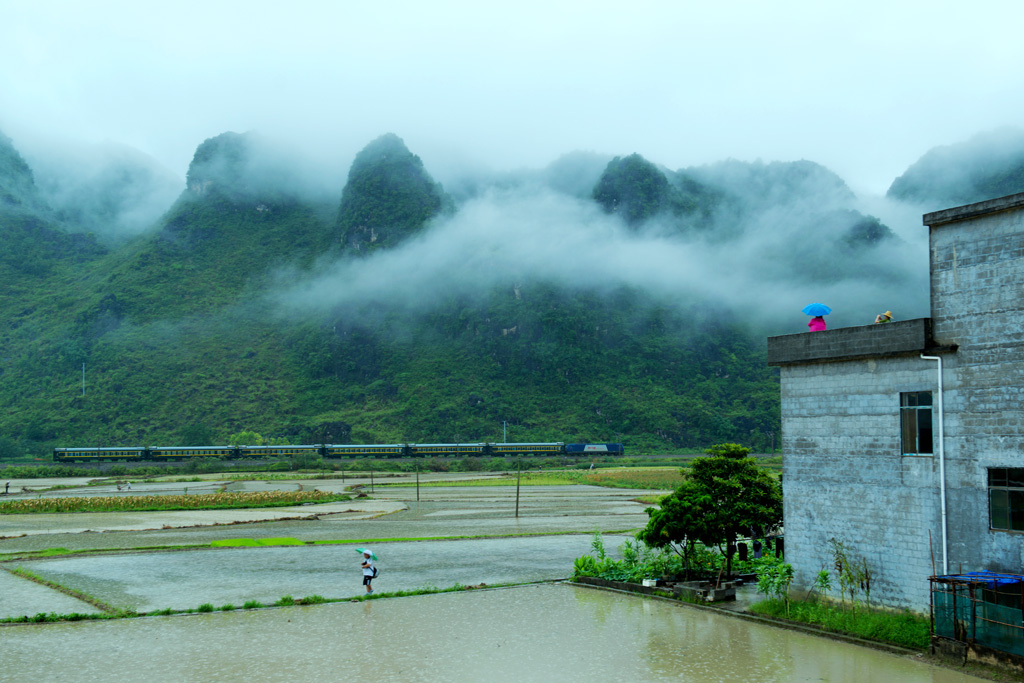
x,y
818,311
369,571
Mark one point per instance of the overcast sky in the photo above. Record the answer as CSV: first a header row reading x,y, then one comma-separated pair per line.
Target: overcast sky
x,y
864,88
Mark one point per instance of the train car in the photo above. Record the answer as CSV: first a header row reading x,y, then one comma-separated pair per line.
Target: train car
x,y
95,454
420,450
595,448
503,449
391,450
277,451
190,452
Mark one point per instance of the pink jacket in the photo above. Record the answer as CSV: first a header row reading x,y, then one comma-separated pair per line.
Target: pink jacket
x,y
817,324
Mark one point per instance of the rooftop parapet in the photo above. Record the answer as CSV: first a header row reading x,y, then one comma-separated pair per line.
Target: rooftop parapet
x,y
882,340
963,213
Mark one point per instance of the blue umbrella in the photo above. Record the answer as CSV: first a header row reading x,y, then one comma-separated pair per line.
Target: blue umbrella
x,y
816,309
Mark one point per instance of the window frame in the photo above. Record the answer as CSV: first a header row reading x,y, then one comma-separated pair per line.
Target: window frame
x,y
1006,485
917,423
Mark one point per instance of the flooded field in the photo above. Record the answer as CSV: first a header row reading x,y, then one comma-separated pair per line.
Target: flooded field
x,y
187,579
531,633
470,536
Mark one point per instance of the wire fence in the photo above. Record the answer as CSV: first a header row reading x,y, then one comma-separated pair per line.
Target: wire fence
x,y
983,608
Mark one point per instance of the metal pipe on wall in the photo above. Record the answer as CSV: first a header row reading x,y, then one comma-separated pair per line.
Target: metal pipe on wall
x,y
942,466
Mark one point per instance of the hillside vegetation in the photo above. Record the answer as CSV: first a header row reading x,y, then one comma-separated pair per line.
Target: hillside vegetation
x,y
255,304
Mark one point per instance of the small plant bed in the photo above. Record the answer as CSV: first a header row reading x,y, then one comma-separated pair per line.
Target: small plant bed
x,y
901,628
205,501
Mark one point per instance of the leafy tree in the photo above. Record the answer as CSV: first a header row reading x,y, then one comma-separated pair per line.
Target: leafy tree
x,y
247,438
10,449
728,450
724,496
197,435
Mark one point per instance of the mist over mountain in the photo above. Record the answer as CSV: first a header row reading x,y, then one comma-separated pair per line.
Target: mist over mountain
x,y
988,165
600,298
109,190
18,190
243,166
32,242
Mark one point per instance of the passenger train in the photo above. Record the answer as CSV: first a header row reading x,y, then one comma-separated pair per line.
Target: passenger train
x,y
397,450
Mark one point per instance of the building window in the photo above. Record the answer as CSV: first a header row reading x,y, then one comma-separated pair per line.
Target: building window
x,y
1006,498
916,422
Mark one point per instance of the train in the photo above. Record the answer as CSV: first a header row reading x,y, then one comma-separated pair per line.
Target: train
x,y
396,450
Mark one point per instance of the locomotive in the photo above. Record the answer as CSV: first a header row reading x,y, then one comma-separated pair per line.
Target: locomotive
x,y
397,450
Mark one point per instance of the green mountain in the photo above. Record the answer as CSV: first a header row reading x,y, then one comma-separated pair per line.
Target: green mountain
x,y
255,304
108,190
389,196
33,244
987,166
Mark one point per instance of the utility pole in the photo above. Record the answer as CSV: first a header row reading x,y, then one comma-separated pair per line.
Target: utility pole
x,y
83,379
504,431
519,475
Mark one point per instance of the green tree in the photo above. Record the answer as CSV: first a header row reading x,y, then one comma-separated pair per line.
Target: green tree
x,y
197,435
725,496
247,438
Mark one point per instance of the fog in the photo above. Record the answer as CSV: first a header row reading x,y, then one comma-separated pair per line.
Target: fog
x,y
496,98
863,88
518,237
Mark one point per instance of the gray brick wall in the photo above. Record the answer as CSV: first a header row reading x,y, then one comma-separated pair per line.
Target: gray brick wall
x,y
844,475
977,281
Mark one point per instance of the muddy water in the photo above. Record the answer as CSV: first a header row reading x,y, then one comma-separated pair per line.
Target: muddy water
x,y
535,633
187,579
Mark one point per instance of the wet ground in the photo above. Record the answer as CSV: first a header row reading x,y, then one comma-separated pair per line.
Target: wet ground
x,y
125,576
184,580
550,632
532,633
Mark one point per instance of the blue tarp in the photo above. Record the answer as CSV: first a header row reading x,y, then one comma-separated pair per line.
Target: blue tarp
x,y
991,579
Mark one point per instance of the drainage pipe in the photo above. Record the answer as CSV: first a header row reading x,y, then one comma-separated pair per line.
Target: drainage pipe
x,y
942,466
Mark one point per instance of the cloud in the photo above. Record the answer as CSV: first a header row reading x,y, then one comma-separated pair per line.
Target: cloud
x,y
108,189
522,236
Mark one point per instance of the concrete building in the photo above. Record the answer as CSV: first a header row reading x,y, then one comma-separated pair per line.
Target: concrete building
x,y
905,440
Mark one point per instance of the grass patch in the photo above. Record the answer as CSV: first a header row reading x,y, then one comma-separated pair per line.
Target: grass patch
x,y
650,500
205,501
236,543
255,542
905,629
